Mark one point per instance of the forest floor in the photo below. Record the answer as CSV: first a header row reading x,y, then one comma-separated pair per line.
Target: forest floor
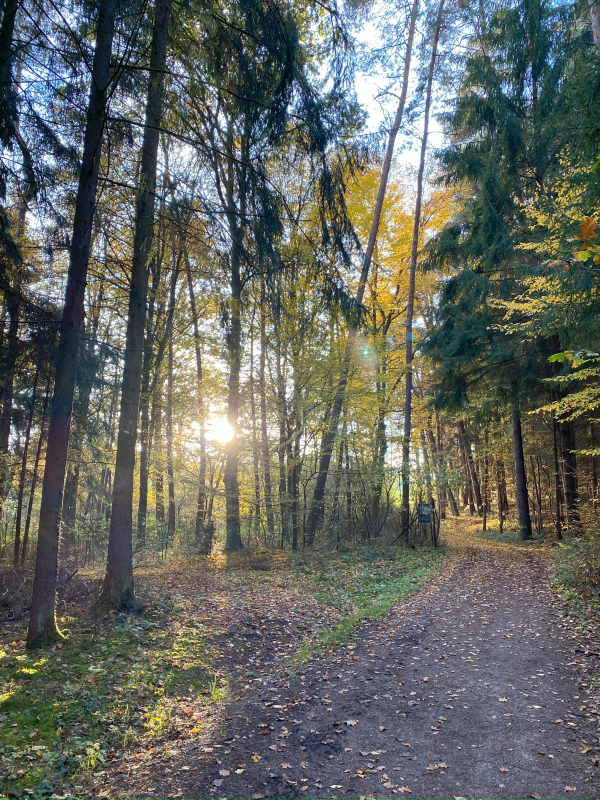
x,y
480,686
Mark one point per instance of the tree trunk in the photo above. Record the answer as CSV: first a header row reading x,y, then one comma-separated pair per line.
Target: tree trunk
x,y
201,502
255,453
557,479
412,281
520,476
315,515
264,433
473,477
170,476
145,396
34,478
118,581
22,477
42,622
159,490
567,436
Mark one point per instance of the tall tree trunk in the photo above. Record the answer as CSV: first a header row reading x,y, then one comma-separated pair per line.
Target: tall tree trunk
x,y
145,396
255,453
170,475
281,450
567,436
34,478
158,461
520,476
233,538
471,465
315,515
412,281
201,502
264,433
22,478
42,622
557,478
8,374
118,581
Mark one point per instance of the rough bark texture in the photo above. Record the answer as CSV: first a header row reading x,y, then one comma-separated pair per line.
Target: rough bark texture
x,y
42,623
22,477
118,581
264,433
520,476
315,515
34,478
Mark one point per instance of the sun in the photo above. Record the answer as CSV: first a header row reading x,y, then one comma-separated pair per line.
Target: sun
x,y
220,430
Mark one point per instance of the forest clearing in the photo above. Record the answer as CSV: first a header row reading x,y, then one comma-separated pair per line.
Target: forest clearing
x,y
299,375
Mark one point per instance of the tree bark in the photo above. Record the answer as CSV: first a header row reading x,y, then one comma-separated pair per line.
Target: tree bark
x,y
473,477
42,622
170,475
201,502
315,515
520,476
569,459
557,478
264,433
22,477
412,282
34,478
118,581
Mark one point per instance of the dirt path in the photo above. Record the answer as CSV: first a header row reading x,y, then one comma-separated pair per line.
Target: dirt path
x,y
469,690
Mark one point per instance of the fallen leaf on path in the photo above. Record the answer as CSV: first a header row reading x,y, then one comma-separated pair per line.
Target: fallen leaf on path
x,y
286,765
256,758
586,749
351,722
404,790
570,789
503,699
218,782
503,769
224,773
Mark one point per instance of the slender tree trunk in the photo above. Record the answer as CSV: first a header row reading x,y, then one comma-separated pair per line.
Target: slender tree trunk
x,y
255,453
34,478
118,581
557,478
264,433
201,502
6,410
145,396
567,435
594,467
158,461
412,282
170,476
520,476
315,515
281,450
474,479
42,622
22,478
233,538
348,490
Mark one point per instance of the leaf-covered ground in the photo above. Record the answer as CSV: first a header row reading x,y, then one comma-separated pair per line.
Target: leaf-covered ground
x,y
125,689
480,686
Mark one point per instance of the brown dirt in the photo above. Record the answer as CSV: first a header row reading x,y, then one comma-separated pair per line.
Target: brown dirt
x,y
472,689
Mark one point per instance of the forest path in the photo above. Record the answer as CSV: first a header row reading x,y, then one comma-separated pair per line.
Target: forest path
x,y
467,690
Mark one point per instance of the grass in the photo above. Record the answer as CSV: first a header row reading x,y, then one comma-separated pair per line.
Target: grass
x,y
362,583
64,710
508,536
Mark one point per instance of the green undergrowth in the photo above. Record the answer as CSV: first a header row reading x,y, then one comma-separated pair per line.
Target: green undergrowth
x,y
362,583
64,711
578,579
508,536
